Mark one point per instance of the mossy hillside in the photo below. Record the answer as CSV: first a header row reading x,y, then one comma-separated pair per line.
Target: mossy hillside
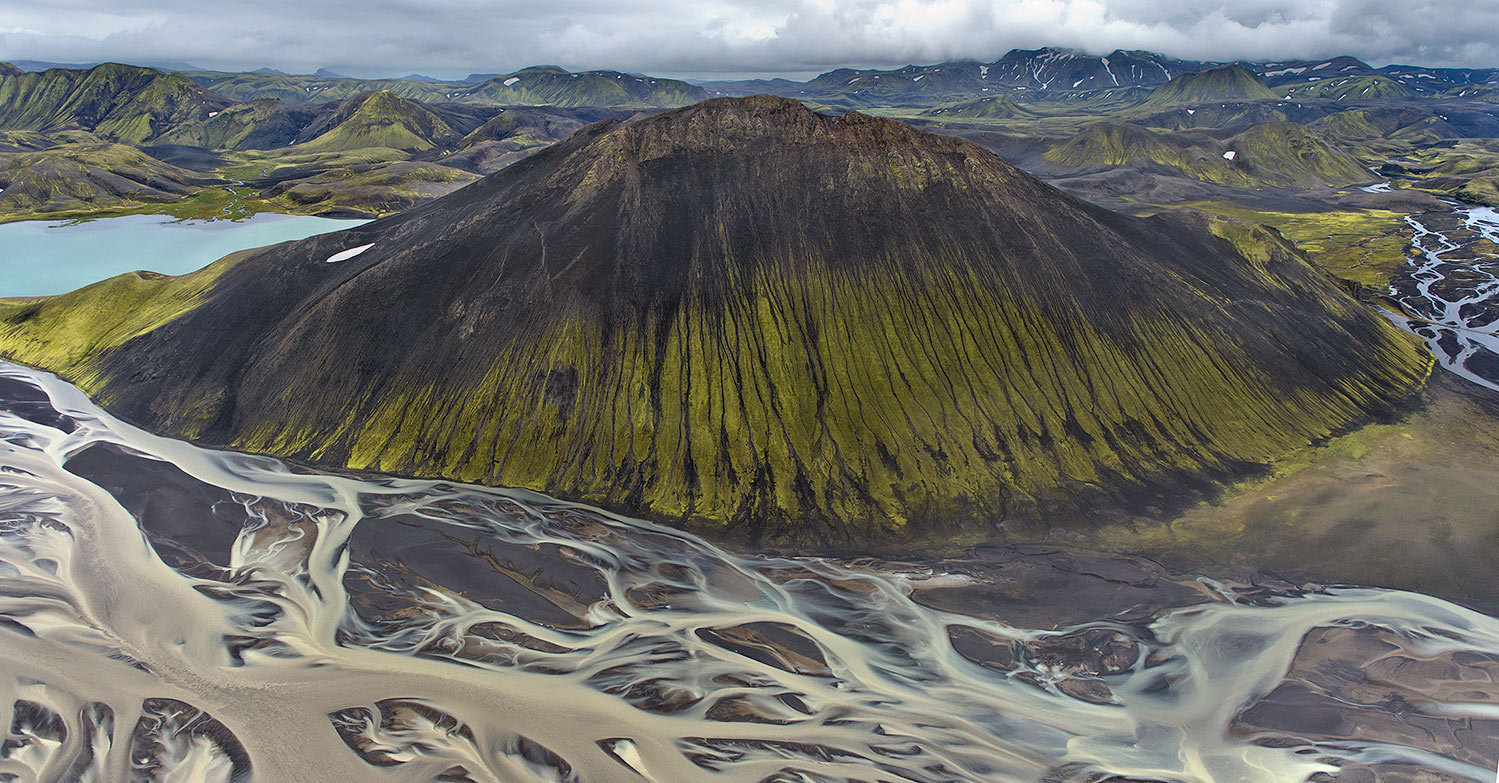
x,y
1479,190
523,129
995,107
68,332
1277,154
1466,169
1353,125
912,85
379,120
787,327
1345,88
295,90
553,86
1224,83
296,162
117,102
1406,504
1414,148
842,412
89,177
1101,102
374,189
535,86
1290,152
257,125
1112,145
1488,93
1363,246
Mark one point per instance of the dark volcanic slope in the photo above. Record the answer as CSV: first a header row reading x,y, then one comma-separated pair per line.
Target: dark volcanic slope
x,y
806,327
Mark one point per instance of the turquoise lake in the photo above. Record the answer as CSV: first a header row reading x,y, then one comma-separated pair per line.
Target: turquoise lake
x,y
38,258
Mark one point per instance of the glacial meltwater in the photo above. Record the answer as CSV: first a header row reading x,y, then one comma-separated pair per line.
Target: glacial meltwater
x,y
1450,292
173,613
38,258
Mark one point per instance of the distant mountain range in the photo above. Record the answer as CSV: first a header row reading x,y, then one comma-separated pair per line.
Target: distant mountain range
x,y
160,65
542,85
375,146
69,139
1046,71
1053,70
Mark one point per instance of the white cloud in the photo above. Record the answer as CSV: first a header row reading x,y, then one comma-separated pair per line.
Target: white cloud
x,y
704,36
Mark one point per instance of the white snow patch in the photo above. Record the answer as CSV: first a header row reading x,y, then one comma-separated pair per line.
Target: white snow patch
x,y
983,71
1320,66
919,78
1076,83
1106,67
1191,111
212,114
1229,155
347,254
510,81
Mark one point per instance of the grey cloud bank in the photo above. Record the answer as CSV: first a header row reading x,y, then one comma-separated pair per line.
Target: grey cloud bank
x,y
448,38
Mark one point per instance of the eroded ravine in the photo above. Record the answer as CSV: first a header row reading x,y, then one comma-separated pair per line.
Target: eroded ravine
x,y
174,613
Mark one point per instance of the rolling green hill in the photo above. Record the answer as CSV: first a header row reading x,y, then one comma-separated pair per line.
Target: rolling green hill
x,y
294,90
1348,88
998,107
116,102
1271,154
257,125
1224,83
83,175
377,119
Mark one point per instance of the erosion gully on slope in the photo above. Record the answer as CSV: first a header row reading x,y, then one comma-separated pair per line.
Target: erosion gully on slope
x,y
175,613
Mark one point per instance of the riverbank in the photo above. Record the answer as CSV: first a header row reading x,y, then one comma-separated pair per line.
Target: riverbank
x,y
239,614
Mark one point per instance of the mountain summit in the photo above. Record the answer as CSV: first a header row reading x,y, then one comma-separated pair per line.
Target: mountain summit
x,y
1224,83
743,313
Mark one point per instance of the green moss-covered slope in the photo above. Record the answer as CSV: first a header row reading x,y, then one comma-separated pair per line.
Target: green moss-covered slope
x,y
295,90
797,328
1268,154
547,85
62,175
373,189
379,119
1346,88
1000,107
1224,83
120,103
67,333
256,125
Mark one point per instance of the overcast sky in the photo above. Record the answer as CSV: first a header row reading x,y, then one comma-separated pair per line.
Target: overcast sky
x,y
730,37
